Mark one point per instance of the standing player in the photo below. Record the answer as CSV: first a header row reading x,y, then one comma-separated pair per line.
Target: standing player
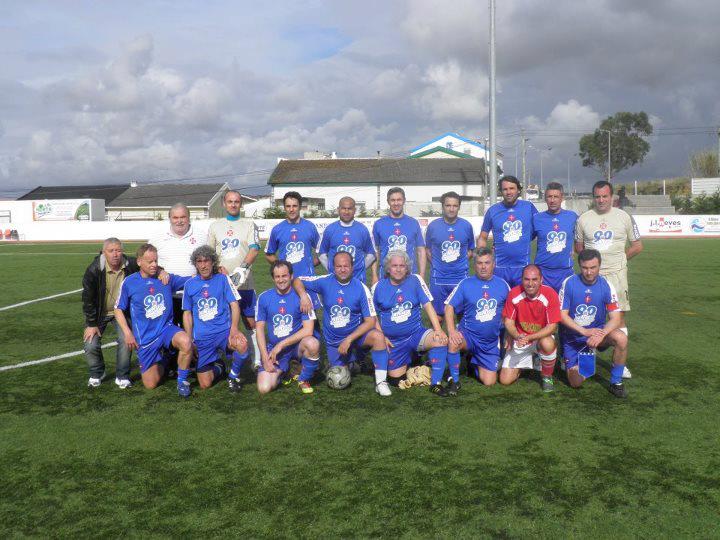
x,y
531,316
615,235
398,232
399,298
148,302
348,318
450,243
349,236
237,243
511,222
294,239
591,320
555,231
289,332
211,316
480,299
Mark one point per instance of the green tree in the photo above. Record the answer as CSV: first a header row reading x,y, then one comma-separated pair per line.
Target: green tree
x,y
627,144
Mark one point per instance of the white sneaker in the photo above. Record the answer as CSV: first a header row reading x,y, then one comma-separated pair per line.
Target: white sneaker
x,y
256,364
383,389
626,373
94,382
123,383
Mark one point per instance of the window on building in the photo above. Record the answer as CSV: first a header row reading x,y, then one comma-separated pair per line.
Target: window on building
x,y
449,145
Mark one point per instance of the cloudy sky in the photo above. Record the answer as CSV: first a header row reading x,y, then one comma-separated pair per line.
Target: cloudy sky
x,y
108,92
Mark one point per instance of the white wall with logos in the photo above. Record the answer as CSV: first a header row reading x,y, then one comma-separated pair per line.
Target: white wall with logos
x,y
84,231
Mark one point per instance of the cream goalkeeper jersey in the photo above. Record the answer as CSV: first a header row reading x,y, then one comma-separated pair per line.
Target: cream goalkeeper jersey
x,y
608,233
232,241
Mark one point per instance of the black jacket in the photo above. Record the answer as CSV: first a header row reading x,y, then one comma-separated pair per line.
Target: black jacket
x,y
93,294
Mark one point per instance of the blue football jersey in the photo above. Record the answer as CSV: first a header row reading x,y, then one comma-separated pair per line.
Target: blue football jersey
x,y
353,238
150,304
399,307
481,303
588,305
209,302
294,242
280,313
512,230
345,306
449,244
555,233
401,234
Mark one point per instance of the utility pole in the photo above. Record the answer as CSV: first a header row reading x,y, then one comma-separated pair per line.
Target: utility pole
x,y
493,153
609,160
523,154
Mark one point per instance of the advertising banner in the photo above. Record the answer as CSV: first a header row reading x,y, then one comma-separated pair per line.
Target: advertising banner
x,y
62,210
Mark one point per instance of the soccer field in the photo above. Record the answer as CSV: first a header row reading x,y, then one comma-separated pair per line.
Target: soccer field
x,y
493,462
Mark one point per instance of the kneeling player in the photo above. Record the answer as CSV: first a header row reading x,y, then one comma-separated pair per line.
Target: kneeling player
x,y
211,315
289,333
150,304
587,300
480,299
348,318
531,315
398,298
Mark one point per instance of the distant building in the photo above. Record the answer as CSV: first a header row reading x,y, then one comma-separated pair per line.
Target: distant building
x,y
452,145
323,182
143,202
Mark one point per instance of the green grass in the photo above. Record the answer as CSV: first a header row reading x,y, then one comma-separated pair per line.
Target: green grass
x,y
497,462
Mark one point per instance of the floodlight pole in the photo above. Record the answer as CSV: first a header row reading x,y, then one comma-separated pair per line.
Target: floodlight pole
x,y
493,153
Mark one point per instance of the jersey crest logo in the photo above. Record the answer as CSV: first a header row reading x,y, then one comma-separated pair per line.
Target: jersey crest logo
x,y
207,308
602,239
339,316
397,242
450,251
486,309
585,315
556,241
512,229
401,312
282,325
294,252
154,305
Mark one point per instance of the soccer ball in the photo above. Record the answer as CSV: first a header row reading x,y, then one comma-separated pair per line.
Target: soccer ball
x,y
338,377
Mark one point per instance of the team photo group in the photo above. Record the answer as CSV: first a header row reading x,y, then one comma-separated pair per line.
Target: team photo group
x,y
187,303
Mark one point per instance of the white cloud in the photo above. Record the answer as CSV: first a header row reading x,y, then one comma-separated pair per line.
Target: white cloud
x,y
454,93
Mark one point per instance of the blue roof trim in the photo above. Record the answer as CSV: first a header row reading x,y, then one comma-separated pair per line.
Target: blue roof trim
x,y
448,134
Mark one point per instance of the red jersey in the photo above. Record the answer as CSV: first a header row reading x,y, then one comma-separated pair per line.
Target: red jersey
x,y
532,314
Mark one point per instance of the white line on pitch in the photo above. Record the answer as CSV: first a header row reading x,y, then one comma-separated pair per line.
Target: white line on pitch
x,y
39,299
51,358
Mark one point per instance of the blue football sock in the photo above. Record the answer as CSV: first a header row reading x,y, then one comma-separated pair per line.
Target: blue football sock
x,y
309,365
217,370
453,359
438,360
237,363
380,361
183,374
616,374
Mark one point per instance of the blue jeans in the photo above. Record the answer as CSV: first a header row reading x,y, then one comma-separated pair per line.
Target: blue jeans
x,y
94,355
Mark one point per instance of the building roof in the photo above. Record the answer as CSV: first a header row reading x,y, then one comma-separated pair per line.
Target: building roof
x,y
378,171
165,195
104,191
449,134
443,150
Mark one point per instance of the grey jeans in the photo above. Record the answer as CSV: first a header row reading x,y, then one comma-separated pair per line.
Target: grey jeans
x,y
94,355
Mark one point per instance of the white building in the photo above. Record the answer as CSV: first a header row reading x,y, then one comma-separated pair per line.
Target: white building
x,y
451,145
324,182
